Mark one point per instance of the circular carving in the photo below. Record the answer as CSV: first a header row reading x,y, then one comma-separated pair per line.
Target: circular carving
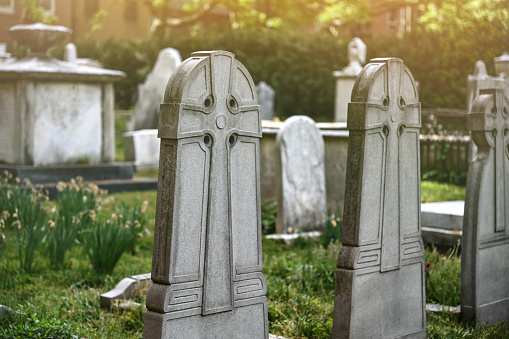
x,y
232,139
385,130
221,121
207,140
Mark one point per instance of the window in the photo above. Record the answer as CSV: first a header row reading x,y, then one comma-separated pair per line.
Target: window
x,y
6,6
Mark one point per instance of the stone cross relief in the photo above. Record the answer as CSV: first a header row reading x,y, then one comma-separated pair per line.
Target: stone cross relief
x,y
380,275
207,243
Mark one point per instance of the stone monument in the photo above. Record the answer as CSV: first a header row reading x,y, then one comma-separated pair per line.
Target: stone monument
x,y
266,98
345,78
151,92
302,196
54,112
206,268
485,240
380,272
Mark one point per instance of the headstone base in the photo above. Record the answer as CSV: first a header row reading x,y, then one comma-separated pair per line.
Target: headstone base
x,y
245,320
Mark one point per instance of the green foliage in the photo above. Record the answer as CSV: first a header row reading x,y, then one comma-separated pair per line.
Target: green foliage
x,y
22,212
31,326
104,243
448,325
299,69
443,277
132,219
435,192
300,288
333,228
32,13
299,66
269,216
76,210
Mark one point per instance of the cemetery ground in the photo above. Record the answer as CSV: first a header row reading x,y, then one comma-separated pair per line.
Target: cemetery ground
x,y
63,299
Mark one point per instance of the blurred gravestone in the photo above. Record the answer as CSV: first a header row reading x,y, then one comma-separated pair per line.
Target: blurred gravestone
x,y
302,196
206,268
345,79
151,92
485,240
266,98
380,276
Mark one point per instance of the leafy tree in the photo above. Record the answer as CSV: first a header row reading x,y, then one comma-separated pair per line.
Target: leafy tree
x,y
33,12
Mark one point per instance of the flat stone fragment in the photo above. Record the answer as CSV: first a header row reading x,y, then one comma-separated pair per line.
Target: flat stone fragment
x,y
442,223
142,148
124,289
380,272
302,196
207,261
485,241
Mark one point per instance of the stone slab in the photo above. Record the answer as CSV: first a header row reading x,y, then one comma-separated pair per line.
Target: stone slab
x,y
124,289
41,174
442,223
142,148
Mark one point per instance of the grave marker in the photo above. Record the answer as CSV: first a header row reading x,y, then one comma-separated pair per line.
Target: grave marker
x,y
485,241
206,268
302,196
266,98
380,276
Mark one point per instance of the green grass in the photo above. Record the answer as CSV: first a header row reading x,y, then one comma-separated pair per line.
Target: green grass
x,y
300,284
432,191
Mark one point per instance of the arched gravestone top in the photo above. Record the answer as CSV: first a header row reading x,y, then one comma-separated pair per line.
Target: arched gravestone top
x,y
207,261
381,262
485,240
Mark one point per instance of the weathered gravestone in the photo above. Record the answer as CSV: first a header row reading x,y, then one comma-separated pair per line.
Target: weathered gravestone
x,y
380,276
266,98
485,240
206,268
151,92
302,196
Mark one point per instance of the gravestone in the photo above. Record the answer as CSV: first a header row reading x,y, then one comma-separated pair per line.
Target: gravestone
x,y
151,92
485,240
380,272
302,196
345,79
266,98
206,268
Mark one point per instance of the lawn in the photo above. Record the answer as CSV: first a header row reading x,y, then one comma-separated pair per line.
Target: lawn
x,y
300,280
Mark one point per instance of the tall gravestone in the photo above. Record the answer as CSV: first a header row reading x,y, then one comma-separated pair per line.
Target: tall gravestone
x,y
380,272
485,240
302,196
207,262
151,92
267,99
